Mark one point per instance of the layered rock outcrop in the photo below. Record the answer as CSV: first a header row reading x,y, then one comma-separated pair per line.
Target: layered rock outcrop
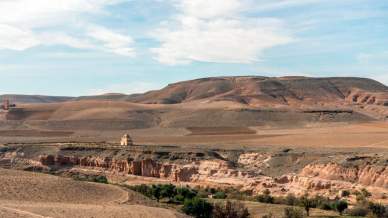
x,y
366,175
249,171
207,170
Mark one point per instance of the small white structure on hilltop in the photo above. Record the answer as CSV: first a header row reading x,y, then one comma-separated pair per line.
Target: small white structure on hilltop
x,y
126,140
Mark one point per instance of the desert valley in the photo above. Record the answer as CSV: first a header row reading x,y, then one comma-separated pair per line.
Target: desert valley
x,y
240,136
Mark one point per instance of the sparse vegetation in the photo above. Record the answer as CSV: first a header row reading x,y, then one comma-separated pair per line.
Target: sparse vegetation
x,y
357,211
230,209
168,192
219,195
379,210
198,208
265,197
90,178
307,204
192,199
293,212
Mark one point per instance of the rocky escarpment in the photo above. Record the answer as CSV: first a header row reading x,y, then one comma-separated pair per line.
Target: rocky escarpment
x,y
325,179
196,171
367,175
296,173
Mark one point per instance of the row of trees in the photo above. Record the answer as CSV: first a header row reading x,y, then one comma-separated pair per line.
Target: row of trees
x,y
191,201
363,207
305,202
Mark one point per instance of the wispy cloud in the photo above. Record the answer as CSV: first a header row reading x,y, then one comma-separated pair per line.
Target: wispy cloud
x,y
25,24
216,31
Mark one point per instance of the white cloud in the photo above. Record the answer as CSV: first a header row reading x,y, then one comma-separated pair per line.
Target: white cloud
x,y
216,33
270,5
209,9
113,42
39,13
57,38
25,24
15,38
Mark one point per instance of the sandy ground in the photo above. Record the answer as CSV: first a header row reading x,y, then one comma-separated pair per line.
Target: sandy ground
x,y
328,136
25,194
363,135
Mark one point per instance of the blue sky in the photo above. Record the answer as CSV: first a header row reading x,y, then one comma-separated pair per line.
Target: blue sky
x,y
86,47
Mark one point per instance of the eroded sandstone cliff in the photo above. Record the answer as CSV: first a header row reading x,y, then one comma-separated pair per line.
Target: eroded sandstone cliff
x,y
244,170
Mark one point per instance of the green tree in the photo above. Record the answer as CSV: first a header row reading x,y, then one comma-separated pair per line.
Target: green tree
x,y
167,191
307,204
341,206
198,208
230,210
219,195
265,197
377,209
156,191
186,192
291,200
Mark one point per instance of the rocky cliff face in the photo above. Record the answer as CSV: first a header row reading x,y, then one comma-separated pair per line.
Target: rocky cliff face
x,y
244,170
197,171
367,175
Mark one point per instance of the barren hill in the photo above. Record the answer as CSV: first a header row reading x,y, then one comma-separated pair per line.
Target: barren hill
x,y
259,91
212,102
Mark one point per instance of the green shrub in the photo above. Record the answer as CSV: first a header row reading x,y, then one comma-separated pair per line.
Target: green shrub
x,y
167,191
143,189
326,206
377,209
291,200
307,203
219,195
293,212
197,207
101,179
237,195
341,206
357,211
265,197
156,192
203,193
362,196
345,193
179,199
230,210
187,192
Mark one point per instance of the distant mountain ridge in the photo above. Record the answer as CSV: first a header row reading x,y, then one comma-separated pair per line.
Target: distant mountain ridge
x,y
256,90
34,99
210,102
251,90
